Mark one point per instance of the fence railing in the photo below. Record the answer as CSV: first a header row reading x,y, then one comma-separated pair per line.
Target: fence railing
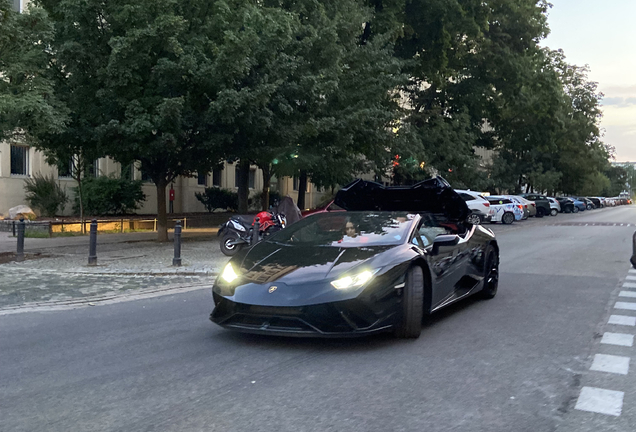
x,y
53,228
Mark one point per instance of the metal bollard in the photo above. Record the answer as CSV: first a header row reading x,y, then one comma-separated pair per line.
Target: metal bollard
x,y
92,248
255,232
20,255
633,259
176,261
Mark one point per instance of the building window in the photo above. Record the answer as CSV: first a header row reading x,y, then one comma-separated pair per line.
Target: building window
x,y
296,183
19,160
202,179
127,172
65,169
93,169
17,5
252,181
216,177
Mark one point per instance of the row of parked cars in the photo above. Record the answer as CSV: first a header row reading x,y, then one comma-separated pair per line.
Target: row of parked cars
x,y
509,208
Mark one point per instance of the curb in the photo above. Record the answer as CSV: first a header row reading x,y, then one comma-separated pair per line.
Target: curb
x,y
58,305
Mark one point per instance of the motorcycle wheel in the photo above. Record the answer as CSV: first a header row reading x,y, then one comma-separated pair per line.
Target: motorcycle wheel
x,y
230,249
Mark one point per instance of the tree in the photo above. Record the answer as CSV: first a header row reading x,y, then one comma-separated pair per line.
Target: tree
x,y
28,106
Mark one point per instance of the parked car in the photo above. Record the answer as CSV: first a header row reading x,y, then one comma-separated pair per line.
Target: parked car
x,y
532,206
567,205
578,205
595,201
589,205
323,207
479,206
543,205
555,207
524,203
505,211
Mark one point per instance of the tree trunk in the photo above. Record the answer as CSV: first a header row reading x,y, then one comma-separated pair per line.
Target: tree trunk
x,y
243,186
162,218
302,188
267,177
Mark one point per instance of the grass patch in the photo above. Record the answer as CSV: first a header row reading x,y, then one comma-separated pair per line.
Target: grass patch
x,y
35,234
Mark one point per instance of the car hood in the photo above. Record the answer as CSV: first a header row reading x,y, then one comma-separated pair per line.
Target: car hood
x,y
434,195
269,262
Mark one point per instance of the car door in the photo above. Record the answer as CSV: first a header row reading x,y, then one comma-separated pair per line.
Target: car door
x,y
448,263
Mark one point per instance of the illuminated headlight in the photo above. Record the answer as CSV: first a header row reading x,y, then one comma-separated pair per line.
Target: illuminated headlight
x,y
354,280
228,274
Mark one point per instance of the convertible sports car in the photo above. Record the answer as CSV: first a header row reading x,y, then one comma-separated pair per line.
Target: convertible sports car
x,y
396,255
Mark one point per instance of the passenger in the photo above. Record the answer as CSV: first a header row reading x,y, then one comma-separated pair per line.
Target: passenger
x,y
350,230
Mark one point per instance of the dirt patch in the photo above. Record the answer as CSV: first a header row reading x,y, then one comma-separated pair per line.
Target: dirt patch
x,y
7,257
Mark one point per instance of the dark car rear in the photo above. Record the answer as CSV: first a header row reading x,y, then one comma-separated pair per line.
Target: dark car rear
x,y
567,205
542,202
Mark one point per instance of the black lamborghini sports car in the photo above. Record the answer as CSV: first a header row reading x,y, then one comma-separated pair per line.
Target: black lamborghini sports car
x,y
396,255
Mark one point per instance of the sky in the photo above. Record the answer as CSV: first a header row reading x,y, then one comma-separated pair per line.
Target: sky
x,y
602,34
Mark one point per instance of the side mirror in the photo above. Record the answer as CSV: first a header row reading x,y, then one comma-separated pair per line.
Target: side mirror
x,y
445,240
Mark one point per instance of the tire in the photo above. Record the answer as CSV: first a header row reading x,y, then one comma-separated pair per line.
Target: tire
x,y
540,212
410,324
473,219
491,273
575,209
589,207
507,218
230,250
554,212
567,210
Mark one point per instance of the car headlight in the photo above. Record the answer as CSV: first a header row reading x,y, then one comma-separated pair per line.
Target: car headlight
x,y
356,280
229,274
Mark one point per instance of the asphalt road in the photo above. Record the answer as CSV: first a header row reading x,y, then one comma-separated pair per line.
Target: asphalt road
x,y
515,363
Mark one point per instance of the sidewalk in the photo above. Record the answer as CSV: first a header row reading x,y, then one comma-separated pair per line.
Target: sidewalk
x,y
128,264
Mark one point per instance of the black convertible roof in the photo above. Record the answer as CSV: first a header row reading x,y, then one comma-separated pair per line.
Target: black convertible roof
x,y
434,195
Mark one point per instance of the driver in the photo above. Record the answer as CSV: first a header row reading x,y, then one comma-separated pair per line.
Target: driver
x,y
350,230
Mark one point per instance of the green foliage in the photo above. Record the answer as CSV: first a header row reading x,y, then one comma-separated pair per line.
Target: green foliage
x,y
216,198
28,106
45,194
109,196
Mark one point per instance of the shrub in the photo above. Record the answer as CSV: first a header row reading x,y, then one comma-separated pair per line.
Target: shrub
x,y
109,196
45,194
216,198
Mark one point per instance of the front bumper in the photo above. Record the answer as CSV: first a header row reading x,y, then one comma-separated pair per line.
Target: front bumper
x,y
347,318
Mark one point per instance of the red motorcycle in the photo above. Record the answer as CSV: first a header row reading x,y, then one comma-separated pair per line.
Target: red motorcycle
x,y
239,231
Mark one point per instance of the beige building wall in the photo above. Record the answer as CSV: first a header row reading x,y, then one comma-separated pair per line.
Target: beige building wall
x,y
12,191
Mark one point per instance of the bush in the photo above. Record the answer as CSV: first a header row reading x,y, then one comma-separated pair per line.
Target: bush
x,y
216,198
109,196
45,194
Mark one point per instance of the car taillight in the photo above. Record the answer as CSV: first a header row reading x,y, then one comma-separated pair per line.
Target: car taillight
x,y
519,205
534,204
487,204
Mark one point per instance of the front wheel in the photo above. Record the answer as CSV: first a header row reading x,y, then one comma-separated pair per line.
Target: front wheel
x,y
589,207
575,209
410,324
508,218
567,210
554,212
491,273
228,245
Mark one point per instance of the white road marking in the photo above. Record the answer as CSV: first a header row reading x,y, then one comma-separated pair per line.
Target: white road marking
x,y
631,294
622,320
625,305
630,277
600,401
611,364
621,339
629,285
632,270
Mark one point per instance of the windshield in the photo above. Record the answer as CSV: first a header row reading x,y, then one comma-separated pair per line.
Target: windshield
x,y
347,229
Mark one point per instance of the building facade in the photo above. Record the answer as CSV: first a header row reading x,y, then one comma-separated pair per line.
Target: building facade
x,y
19,162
